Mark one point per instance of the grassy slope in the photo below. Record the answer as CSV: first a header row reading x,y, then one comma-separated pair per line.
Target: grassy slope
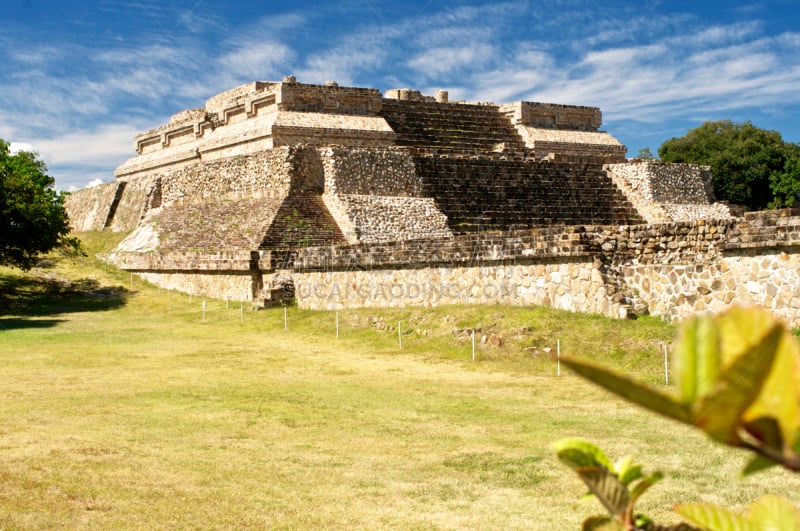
x,y
124,408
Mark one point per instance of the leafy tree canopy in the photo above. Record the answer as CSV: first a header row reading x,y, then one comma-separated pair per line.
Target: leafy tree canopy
x,y
33,220
751,166
645,154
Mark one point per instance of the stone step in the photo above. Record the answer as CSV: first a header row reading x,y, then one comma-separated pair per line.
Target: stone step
x,y
498,194
302,220
456,127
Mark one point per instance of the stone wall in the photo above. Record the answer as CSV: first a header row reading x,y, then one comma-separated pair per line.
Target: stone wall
x,y
235,275
550,129
375,218
89,209
382,171
121,205
223,286
553,115
118,206
689,241
328,98
556,143
136,198
264,174
260,116
768,278
557,283
665,192
671,270
376,195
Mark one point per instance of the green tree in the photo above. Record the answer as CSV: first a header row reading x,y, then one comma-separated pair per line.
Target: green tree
x,y
749,164
645,154
33,220
785,184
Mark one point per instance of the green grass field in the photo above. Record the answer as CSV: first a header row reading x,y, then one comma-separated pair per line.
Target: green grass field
x,y
123,408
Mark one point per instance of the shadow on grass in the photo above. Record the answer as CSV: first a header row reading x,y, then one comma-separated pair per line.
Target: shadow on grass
x,y
24,296
17,323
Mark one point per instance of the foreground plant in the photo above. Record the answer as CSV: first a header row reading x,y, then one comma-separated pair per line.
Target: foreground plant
x,y
738,380
616,486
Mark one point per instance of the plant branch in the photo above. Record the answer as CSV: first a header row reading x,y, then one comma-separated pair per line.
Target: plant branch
x,y
789,463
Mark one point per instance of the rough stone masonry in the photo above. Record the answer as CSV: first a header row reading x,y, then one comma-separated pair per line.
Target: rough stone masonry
x,y
346,197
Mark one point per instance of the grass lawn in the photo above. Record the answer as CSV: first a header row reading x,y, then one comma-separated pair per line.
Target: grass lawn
x,y
123,408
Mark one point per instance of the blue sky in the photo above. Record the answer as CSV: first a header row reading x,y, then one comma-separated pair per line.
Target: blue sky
x,y
79,79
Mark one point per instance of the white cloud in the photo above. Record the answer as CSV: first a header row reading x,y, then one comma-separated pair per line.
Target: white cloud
x,y
82,158
363,53
107,144
439,61
253,59
16,147
724,34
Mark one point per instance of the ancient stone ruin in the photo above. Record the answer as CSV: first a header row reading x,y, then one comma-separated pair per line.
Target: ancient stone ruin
x,y
344,197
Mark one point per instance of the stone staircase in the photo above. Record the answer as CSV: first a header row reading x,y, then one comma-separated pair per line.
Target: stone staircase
x,y
478,193
475,165
302,220
216,225
442,128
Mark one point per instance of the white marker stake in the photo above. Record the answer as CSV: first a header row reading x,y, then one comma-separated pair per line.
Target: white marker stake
x,y
399,337
666,366
204,310
241,312
558,355
473,345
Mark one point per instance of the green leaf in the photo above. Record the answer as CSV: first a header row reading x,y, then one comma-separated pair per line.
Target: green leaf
x,y
757,464
601,523
779,399
715,518
578,453
645,484
697,358
607,488
630,390
740,329
774,513
719,412
627,471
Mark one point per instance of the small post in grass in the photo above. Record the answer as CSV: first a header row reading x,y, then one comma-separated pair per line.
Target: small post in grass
x,y
337,325
666,366
241,312
204,310
473,345
399,336
558,356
